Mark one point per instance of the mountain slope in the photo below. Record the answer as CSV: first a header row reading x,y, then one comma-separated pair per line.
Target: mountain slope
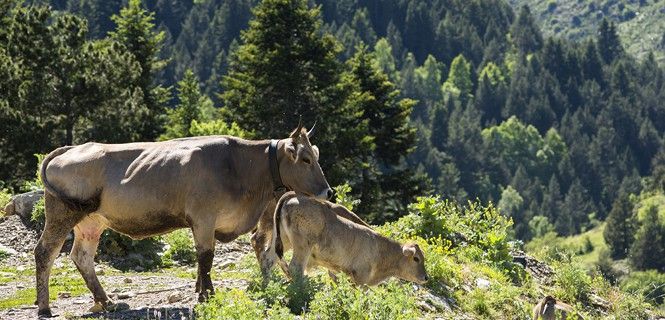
x,y
641,24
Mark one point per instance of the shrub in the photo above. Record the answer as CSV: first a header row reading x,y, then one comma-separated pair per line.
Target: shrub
x,y
344,198
650,284
342,300
471,225
574,284
37,216
125,253
180,247
5,197
230,304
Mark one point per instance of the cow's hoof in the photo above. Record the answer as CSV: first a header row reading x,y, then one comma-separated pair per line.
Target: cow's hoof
x,y
44,313
98,307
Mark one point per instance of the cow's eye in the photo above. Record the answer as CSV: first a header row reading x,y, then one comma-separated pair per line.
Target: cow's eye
x,y
416,259
306,160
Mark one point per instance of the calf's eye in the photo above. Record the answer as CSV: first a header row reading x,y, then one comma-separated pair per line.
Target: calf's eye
x,y
306,160
416,259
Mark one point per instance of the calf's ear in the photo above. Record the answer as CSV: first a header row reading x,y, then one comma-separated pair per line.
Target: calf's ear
x,y
408,251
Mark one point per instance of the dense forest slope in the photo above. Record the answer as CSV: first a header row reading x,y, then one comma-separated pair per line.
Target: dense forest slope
x,y
641,24
458,99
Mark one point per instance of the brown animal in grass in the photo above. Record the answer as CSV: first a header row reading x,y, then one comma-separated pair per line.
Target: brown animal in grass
x,y
547,307
320,237
216,185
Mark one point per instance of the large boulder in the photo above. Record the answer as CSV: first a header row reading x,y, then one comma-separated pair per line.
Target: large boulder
x,y
22,204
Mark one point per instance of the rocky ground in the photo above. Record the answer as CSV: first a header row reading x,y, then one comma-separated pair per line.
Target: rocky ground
x,y
167,294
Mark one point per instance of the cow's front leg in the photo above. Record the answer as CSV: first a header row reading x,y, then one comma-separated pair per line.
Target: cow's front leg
x,y
204,239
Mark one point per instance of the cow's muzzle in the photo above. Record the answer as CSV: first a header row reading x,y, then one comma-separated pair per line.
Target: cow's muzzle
x,y
326,194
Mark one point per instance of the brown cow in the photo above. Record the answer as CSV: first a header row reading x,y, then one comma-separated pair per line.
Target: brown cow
x,y
217,185
320,237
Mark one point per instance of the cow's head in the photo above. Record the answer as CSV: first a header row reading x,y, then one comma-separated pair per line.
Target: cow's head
x,y
300,169
412,264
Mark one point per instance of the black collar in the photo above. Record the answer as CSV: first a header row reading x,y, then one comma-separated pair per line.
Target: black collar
x,y
274,170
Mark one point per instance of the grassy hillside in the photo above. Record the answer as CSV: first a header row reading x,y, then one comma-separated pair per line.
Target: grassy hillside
x,y
641,24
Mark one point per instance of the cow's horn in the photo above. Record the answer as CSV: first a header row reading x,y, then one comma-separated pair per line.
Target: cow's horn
x,y
296,132
311,131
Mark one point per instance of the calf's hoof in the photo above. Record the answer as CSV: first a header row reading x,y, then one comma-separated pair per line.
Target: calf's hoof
x,y
44,313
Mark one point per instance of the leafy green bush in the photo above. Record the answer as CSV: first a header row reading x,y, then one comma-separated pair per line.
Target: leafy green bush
x,y
125,253
344,198
5,197
230,304
37,216
574,284
180,247
218,127
472,225
342,300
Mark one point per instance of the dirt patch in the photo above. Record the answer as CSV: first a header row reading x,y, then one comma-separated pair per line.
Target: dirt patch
x,y
150,295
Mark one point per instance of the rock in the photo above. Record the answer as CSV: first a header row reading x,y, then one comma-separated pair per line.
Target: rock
x,y
64,295
20,286
482,283
175,297
22,204
8,250
127,280
80,301
227,264
126,295
99,271
139,269
437,302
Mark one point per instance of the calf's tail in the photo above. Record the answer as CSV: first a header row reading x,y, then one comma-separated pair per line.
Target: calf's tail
x,y
276,245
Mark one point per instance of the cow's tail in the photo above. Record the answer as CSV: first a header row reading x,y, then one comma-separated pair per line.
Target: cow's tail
x,y
77,205
275,250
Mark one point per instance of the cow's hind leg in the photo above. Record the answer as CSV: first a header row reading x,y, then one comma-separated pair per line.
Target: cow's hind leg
x,y
59,221
299,261
204,239
86,240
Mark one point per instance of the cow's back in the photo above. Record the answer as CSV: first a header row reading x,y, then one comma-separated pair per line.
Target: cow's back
x,y
150,181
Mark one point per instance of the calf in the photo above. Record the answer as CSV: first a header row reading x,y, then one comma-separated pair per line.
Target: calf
x,y
320,237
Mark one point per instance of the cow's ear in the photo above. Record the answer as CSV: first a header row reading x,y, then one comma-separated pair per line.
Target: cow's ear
x,y
291,151
316,151
408,250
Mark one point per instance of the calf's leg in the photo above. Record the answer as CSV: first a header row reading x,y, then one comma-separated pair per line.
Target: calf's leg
x,y
59,221
301,253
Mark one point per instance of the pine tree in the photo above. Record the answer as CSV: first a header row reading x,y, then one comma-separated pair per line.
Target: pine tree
x,y
388,123
620,228
609,44
574,210
525,33
136,31
191,107
648,250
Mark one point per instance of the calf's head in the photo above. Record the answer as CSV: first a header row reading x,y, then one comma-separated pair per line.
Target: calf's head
x,y
300,169
412,264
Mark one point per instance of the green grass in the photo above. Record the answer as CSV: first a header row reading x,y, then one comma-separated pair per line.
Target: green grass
x,y
550,245
59,283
